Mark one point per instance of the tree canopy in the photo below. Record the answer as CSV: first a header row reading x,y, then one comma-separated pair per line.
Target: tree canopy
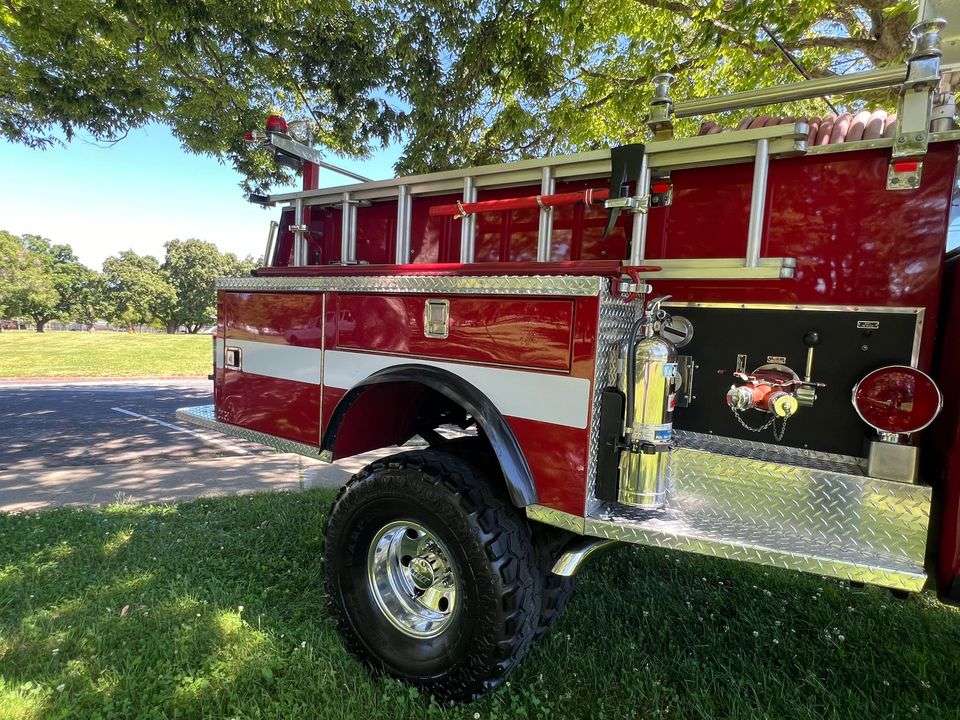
x,y
458,82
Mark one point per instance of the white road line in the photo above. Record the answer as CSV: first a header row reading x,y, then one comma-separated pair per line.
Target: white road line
x,y
179,428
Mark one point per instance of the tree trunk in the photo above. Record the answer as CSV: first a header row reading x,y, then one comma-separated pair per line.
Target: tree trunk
x,y
41,324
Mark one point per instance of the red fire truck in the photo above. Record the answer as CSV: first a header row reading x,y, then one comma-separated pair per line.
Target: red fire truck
x,y
743,344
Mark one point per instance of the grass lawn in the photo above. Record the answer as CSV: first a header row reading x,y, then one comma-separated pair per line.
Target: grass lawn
x,y
213,609
28,354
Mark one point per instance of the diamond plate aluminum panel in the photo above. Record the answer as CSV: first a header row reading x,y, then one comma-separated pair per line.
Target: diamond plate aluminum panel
x,y
810,519
557,518
204,416
771,452
554,285
615,319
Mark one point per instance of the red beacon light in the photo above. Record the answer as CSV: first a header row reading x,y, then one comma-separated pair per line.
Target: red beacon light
x,y
276,123
897,400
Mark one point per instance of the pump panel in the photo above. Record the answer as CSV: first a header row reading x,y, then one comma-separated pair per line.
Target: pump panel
x,y
851,344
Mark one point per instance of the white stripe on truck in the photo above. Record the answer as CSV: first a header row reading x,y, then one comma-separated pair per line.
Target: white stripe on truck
x,y
546,397
557,399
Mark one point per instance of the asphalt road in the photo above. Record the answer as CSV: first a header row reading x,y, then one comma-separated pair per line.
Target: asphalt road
x,y
96,442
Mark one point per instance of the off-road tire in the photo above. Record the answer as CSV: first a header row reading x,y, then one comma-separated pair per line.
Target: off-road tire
x,y
490,543
557,590
548,541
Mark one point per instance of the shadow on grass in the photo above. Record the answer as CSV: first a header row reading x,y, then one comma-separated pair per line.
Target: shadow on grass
x,y
214,609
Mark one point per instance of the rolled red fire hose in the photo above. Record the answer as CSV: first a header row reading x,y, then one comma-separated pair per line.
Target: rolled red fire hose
x,y
461,209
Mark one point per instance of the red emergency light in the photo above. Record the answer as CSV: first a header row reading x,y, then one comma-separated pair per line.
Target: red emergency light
x,y
276,123
897,399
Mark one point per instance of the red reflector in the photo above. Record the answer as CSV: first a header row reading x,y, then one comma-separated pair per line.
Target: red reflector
x,y
897,399
660,187
906,166
276,123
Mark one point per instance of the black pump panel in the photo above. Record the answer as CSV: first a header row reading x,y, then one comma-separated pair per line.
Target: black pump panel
x,y
847,344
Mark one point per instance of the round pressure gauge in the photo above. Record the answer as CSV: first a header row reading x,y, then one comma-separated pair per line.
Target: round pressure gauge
x,y
677,329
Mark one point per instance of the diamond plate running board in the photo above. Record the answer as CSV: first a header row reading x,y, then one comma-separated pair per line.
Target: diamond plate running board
x,y
810,519
204,416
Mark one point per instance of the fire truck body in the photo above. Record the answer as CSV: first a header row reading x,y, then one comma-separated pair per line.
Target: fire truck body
x,y
563,312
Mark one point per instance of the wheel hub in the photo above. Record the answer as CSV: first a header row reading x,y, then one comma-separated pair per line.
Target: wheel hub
x,y
412,579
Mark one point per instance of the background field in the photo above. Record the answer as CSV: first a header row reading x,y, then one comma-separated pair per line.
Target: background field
x,y
28,354
214,609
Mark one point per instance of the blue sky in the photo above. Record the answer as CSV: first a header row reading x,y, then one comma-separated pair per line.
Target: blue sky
x,y
137,194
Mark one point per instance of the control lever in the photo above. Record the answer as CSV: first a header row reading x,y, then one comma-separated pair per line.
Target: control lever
x,y
806,392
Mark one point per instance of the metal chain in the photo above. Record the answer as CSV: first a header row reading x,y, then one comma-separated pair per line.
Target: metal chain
x,y
768,423
777,433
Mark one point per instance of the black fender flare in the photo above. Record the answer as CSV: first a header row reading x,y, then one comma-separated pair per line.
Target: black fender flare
x,y
513,465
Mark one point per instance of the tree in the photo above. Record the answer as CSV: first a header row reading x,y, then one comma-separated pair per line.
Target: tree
x,y
136,290
46,281
460,83
192,267
87,292
538,77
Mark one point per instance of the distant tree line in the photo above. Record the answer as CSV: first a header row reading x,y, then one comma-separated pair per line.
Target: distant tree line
x,y
41,281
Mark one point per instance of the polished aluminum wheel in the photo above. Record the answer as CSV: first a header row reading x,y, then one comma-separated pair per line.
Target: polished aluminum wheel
x,y
412,579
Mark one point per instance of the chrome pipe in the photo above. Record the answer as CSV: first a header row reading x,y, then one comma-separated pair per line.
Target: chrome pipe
x,y
758,201
577,553
638,236
468,223
547,186
348,231
299,241
834,85
271,237
402,252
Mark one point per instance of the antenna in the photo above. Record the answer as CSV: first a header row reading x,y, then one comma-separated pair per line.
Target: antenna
x,y
796,63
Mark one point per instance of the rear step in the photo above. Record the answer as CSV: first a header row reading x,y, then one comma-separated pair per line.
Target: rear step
x,y
829,521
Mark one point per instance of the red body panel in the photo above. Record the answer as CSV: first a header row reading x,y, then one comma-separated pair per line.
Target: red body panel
x,y
556,334
855,242
285,408
534,333
283,318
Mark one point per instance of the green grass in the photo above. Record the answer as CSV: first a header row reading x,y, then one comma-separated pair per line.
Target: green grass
x,y
213,609
28,354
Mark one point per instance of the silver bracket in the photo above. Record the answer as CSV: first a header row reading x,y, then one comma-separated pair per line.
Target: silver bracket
x,y
741,363
661,108
626,287
915,105
635,204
